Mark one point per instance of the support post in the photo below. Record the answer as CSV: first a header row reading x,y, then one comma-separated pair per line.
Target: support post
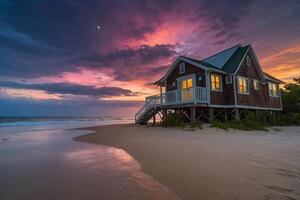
x,y
154,120
161,100
237,114
225,115
193,114
211,114
164,114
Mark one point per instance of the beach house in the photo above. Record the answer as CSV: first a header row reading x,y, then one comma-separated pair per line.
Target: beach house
x,y
221,86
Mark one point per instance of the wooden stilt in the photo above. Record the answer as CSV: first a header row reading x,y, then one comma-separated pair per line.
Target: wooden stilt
x,y
237,114
211,114
164,114
154,120
225,115
193,114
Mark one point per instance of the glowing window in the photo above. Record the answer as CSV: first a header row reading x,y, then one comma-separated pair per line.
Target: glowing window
x,y
243,85
187,89
216,82
273,90
256,84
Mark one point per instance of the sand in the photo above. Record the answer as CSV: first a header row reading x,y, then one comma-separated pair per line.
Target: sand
x,y
212,163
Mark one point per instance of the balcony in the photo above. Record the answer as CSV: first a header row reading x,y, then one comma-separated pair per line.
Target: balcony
x,y
175,97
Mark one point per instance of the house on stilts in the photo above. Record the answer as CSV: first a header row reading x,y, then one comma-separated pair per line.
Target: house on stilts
x,y
222,86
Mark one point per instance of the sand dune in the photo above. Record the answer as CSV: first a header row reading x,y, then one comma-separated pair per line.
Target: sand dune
x,y
211,163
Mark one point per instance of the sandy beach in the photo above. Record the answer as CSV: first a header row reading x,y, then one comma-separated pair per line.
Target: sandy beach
x,y
212,163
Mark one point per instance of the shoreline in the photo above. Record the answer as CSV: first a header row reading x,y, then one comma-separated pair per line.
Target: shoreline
x,y
210,163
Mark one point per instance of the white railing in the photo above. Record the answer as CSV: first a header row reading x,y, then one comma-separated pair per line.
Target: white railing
x,y
199,95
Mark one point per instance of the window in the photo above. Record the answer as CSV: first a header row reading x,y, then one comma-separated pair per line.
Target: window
x,y
228,79
256,84
216,82
273,90
243,85
248,61
182,68
187,89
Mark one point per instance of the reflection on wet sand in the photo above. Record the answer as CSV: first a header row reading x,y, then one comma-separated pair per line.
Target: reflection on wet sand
x,y
48,164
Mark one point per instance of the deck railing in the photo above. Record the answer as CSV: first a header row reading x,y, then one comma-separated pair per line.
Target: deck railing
x,y
174,97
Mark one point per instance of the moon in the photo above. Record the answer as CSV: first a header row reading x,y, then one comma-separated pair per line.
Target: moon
x,y
98,27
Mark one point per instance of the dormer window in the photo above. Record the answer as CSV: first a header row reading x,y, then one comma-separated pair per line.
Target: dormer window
x,y
248,61
182,68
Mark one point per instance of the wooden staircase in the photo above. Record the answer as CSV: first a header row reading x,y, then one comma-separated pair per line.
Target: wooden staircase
x,y
149,110
173,98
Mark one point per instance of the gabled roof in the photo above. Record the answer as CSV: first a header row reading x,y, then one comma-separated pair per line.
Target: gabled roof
x,y
218,60
272,78
233,63
225,62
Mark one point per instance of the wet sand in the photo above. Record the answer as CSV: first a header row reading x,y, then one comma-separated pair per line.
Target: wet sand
x,y
212,163
44,163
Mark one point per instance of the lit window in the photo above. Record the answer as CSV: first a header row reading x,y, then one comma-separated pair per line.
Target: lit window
x,y
248,61
243,85
256,84
273,90
182,68
216,82
187,89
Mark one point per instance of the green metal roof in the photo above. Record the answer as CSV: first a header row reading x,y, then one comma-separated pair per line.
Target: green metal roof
x,y
232,64
226,61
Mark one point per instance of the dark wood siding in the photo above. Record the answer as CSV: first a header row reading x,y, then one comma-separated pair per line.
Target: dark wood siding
x,y
189,69
225,97
259,98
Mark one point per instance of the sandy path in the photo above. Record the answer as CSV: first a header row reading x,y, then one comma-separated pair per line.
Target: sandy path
x,y
211,163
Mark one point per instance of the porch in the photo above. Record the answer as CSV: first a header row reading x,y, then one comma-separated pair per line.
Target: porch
x,y
173,98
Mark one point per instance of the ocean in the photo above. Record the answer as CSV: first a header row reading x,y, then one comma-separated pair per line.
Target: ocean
x,y
40,160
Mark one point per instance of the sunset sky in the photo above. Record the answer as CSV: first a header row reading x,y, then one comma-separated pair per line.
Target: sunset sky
x,y
97,58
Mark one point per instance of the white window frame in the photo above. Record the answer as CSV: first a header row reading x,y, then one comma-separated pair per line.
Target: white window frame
x,y
228,79
238,85
269,89
248,61
182,68
221,84
257,84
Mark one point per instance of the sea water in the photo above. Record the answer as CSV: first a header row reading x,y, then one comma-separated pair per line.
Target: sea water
x,y
40,160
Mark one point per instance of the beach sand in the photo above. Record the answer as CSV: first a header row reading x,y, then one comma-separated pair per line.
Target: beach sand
x,y
212,163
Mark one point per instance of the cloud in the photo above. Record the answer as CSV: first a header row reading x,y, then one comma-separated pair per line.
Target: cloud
x,y
73,89
132,63
143,55
66,107
284,64
222,17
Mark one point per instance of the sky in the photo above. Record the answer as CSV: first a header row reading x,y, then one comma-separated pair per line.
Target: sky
x,y
98,57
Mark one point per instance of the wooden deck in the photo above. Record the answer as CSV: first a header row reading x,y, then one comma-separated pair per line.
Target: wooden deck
x,y
174,98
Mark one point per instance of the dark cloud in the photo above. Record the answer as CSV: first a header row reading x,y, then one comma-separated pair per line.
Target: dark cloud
x,y
128,57
29,49
67,88
148,73
223,17
72,25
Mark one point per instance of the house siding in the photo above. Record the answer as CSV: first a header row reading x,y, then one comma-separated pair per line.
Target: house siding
x,y
226,96
258,98
189,69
